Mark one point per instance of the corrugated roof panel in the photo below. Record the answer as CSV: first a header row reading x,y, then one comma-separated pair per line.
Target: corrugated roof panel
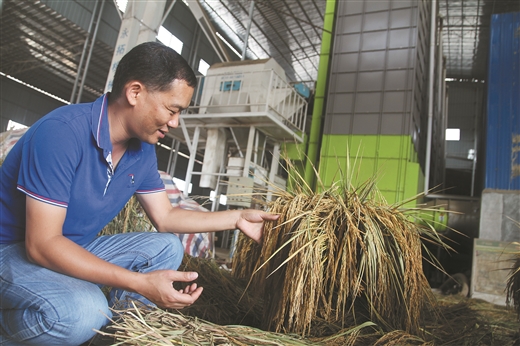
x,y
289,31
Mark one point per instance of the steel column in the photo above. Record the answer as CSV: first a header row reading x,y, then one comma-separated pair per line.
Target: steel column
x,y
209,30
248,30
91,49
140,24
82,59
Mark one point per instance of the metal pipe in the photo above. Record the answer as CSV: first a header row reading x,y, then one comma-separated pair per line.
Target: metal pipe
x,y
194,49
441,85
453,197
212,174
251,9
315,134
263,152
175,157
82,59
91,49
249,150
272,171
185,133
170,156
216,202
444,114
255,149
475,143
191,161
433,28
269,93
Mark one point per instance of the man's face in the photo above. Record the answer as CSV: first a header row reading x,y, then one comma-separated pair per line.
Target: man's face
x,y
157,111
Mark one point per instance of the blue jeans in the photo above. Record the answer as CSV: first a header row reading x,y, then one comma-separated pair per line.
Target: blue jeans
x,y
43,307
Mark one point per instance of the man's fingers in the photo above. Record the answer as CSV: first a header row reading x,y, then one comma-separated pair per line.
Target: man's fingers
x,y
183,276
189,289
186,299
271,217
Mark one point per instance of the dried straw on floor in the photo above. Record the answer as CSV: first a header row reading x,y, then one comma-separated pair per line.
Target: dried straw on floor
x,y
472,322
143,326
468,322
338,256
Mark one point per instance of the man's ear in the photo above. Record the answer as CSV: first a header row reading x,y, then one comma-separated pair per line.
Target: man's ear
x,y
132,91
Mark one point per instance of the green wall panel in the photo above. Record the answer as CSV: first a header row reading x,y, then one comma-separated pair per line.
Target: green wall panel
x,y
389,177
363,157
389,144
329,171
365,145
294,151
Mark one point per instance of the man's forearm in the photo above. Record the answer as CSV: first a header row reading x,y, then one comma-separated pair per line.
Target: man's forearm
x,y
189,221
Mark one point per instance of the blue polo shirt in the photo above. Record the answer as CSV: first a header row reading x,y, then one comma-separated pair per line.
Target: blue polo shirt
x,y
64,159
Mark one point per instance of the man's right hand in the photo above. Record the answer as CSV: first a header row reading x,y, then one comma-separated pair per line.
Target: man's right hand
x,y
157,286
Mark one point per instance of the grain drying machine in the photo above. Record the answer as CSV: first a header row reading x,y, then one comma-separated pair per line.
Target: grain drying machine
x,y
240,115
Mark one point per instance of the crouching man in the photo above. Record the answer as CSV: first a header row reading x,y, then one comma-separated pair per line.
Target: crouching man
x,y
67,177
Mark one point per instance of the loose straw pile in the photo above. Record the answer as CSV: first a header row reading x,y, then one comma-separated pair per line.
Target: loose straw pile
x,y
145,326
463,322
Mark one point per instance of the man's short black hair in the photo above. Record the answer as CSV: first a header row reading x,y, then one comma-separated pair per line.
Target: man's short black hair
x,y
153,64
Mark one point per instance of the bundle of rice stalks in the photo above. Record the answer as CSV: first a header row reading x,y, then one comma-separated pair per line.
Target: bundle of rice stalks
x,y
513,286
224,300
145,326
340,256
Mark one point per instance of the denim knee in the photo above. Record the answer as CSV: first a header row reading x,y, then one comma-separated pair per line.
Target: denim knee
x,y
176,250
70,320
91,312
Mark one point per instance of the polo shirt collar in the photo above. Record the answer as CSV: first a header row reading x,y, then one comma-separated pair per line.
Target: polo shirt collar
x,y
101,131
100,128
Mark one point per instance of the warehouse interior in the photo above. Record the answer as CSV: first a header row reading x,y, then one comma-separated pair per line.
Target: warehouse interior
x,y
383,80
